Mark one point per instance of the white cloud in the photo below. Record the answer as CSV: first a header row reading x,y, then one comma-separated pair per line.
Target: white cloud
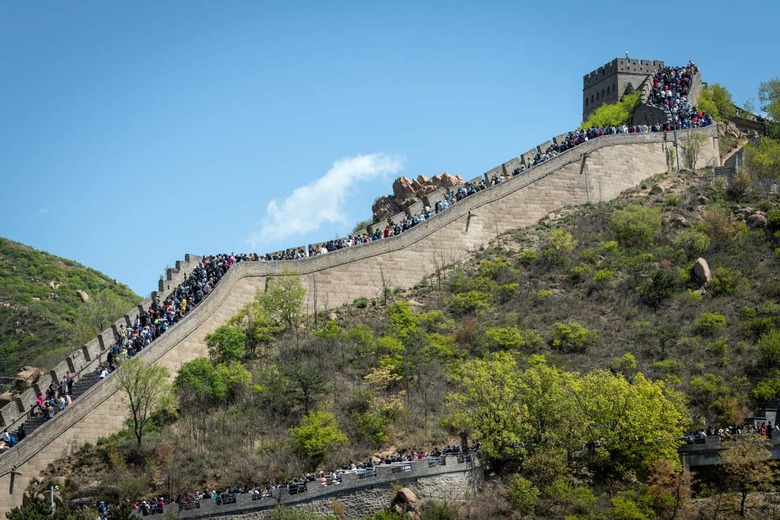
x,y
321,201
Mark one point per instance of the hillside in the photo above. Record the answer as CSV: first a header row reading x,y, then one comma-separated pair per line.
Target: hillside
x,y
605,286
42,316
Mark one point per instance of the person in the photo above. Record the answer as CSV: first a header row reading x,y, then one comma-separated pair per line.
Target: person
x,y
69,378
38,404
103,372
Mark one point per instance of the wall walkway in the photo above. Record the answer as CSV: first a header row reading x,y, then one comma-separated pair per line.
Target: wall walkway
x,y
598,170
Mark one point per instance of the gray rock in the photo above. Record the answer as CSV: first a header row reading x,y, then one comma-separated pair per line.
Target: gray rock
x,y
701,270
657,190
83,295
757,220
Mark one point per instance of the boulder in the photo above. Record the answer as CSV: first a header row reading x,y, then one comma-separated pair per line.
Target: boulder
x,y
332,316
26,378
406,504
5,398
757,220
701,270
657,190
679,221
83,295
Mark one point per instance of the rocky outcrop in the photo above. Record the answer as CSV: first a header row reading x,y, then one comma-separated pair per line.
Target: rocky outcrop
x,y
406,191
83,295
26,378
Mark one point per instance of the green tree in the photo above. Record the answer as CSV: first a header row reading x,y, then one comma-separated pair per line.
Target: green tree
x,y
100,311
523,495
769,349
487,406
628,425
147,390
307,384
227,344
615,114
572,337
715,99
769,95
259,326
284,298
762,160
199,386
745,462
636,225
317,434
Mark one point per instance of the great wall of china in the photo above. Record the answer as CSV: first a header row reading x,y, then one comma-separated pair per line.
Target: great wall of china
x,y
598,170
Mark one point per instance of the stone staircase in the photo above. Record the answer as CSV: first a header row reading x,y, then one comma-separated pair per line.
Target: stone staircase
x,y
86,382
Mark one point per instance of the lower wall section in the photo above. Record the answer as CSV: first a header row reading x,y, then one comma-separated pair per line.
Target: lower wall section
x,y
449,488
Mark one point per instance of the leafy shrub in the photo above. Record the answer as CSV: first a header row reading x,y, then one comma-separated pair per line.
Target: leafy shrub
x,y
468,302
668,366
695,243
773,220
541,294
577,274
528,257
227,344
572,337
769,349
512,338
636,225
659,288
568,498
507,291
317,434
614,114
721,227
726,281
523,495
558,245
361,303
603,276
438,511
710,323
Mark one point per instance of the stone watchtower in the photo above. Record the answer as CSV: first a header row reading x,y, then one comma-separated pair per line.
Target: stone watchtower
x,y
611,81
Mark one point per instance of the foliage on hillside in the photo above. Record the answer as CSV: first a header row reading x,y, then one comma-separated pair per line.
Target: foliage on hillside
x,y
615,114
42,317
577,352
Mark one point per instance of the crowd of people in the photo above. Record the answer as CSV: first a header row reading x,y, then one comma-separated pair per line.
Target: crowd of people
x,y
670,90
296,485
764,429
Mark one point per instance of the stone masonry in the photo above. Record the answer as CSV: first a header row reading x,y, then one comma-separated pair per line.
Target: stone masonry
x,y
596,171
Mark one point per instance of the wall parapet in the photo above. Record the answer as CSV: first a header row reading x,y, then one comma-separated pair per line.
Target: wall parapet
x,y
384,476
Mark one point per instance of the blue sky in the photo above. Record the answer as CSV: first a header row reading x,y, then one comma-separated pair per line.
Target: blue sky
x,y
132,133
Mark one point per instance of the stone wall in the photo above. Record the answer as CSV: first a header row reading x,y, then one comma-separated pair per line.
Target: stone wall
x,y
90,355
451,483
596,171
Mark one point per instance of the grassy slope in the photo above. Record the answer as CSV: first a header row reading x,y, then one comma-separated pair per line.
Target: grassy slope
x,y
39,325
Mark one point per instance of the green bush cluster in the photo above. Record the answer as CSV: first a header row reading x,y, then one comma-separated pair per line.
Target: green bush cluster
x,y
572,337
